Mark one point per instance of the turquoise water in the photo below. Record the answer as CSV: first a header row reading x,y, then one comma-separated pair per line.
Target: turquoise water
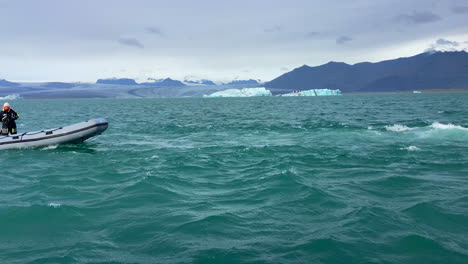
x,y
346,179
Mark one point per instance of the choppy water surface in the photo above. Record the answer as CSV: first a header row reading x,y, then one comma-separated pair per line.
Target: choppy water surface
x,y
350,179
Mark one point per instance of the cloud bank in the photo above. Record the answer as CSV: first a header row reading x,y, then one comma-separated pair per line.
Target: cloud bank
x,y
132,42
418,17
215,40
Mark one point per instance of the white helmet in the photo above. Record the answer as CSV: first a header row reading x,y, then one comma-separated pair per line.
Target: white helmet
x,y
6,104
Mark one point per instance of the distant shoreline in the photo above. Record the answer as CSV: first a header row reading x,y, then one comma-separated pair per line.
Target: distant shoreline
x,y
422,91
98,96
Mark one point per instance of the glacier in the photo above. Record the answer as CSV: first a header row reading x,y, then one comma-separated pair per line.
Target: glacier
x,y
244,92
314,92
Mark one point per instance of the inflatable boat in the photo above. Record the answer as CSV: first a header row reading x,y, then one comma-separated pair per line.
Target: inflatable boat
x,y
72,134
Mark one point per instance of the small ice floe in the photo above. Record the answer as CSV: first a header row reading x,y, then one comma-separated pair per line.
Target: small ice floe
x,y
54,205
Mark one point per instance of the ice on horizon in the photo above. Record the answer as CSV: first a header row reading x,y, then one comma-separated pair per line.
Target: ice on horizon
x,y
314,92
262,91
244,92
11,97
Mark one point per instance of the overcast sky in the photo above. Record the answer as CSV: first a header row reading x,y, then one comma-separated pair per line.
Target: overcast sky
x,y
83,40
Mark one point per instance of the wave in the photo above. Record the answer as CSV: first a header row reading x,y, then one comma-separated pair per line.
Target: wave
x,y
50,147
434,126
437,125
55,205
11,97
442,132
440,217
398,128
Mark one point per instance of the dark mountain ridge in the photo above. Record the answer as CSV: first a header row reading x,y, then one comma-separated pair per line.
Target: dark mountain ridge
x,y
6,83
431,70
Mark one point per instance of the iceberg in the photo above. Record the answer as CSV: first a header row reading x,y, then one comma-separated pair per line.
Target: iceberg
x,y
11,97
244,92
314,92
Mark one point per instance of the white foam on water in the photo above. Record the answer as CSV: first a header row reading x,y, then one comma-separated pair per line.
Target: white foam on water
x,y
54,205
411,148
298,127
398,128
102,149
437,125
443,131
50,147
245,149
152,157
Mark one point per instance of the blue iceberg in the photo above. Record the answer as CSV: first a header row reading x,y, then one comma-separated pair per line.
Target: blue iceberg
x,y
244,92
314,92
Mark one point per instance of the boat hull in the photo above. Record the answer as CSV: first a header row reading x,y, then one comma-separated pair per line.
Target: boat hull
x,y
72,134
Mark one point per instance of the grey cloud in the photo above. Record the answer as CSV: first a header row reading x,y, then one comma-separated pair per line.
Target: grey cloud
x,y
312,34
343,39
133,42
154,31
460,9
285,69
418,18
447,42
273,29
443,45
191,77
281,35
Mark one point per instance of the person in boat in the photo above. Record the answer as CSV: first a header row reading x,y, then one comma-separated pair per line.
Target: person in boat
x,y
8,116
